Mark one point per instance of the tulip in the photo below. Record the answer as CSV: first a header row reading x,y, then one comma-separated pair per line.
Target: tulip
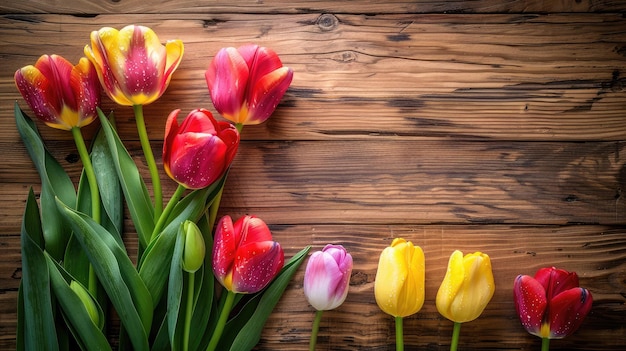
x,y
326,280
247,83
399,282
199,151
133,66
245,258
61,95
65,97
551,305
327,277
466,289
135,69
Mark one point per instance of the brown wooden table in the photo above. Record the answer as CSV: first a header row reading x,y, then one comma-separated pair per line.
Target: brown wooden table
x,y
473,125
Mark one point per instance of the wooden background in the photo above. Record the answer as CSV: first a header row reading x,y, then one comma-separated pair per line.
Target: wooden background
x,y
494,126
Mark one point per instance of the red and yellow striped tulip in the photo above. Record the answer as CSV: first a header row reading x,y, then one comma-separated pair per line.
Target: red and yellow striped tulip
x,y
60,94
133,66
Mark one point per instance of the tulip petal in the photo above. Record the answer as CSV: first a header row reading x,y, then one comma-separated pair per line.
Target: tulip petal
x,y
224,248
251,229
451,284
227,78
556,280
267,93
530,303
256,264
567,311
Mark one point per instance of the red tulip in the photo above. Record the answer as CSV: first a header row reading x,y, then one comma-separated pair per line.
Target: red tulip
x,y
551,305
247,83
245,258
200,150
60,94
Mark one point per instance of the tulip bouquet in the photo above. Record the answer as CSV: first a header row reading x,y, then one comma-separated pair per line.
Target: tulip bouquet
x,y
77,271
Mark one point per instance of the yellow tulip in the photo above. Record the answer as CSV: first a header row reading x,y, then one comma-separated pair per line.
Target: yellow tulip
x,y
467,287
399,284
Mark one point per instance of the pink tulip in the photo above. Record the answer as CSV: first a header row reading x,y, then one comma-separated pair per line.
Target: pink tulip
x,y
245,258
551,305
200,150
246,84
327,277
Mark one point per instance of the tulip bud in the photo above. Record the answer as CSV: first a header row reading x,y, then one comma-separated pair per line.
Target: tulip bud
x,y
467,287
399,283
194,250
327,277
87,300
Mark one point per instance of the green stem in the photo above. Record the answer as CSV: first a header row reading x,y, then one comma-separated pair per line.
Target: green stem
x,y
399,335
214,208
221,322
189,310
166,212
455,336
95,195
316,327
147,151
89,172
545,344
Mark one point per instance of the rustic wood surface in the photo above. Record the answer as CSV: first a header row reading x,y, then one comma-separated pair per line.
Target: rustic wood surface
x,y
494,126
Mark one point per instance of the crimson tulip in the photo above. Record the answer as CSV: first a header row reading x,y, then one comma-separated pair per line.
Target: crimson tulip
x,y
247,83
551,305
60,94
245,258
200,150
133,66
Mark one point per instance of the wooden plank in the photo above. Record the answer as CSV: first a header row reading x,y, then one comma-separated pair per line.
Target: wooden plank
x,y
500,77
387,181
83,7
597,253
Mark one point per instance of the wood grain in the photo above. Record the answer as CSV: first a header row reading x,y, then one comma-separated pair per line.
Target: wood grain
x,y
505,77
83,7
494,126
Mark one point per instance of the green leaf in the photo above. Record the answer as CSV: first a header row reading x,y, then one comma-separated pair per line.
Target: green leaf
x,y
118,276
75,312
205,294
175,288
54,183
134,188
109,185
38,322
250,333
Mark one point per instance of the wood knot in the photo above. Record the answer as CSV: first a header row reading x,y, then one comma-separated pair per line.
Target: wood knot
x,y
327,22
